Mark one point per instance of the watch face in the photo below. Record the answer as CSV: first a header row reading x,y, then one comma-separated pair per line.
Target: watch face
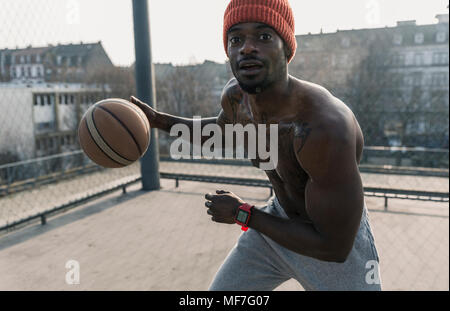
x,y
242,216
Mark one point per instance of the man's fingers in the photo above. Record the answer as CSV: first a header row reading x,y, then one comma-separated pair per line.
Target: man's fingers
x,y
209,212
208,204
134,100
222,191
137,102
209,196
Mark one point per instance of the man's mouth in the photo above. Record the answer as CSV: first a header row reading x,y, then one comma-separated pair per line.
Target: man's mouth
x,y
250,66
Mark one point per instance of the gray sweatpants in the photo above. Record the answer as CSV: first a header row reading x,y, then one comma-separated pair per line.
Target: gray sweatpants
x,y
258,263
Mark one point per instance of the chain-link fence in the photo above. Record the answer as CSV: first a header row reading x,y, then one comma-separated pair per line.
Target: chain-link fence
x,y
395,79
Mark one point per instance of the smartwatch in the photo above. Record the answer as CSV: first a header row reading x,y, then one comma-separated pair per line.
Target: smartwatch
x,y
242,216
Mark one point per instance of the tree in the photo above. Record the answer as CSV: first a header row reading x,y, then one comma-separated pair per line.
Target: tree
x,y
116,81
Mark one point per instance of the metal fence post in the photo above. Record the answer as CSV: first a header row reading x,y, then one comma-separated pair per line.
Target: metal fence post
x,y
146,90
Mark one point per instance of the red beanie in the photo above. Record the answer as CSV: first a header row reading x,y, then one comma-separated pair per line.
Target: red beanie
x,y
275,13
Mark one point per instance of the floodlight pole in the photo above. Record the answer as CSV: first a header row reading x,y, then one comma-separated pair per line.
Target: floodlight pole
x,y
145,87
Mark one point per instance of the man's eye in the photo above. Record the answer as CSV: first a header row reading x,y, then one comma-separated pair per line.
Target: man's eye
x,y
265,36
235,40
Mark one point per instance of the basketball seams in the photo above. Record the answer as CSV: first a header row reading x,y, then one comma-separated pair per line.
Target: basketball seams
x,y
124,126
96,141
130,105
86,151
138,111
100,141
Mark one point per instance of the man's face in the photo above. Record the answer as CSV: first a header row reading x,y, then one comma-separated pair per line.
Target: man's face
x,y
257,56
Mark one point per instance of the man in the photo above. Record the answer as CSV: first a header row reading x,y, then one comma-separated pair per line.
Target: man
x,y
315,229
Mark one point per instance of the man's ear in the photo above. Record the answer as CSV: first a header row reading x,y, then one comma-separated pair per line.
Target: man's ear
x,y
287,52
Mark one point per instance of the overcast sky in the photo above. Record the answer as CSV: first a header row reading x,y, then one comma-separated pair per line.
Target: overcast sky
x,y
184,31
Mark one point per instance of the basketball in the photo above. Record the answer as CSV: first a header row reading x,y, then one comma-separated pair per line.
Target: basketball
x,y
114,133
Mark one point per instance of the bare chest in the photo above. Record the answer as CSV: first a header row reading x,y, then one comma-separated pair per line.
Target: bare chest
x,y
288,178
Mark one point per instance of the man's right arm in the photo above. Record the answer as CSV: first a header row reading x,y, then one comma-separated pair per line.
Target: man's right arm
x,y
165,121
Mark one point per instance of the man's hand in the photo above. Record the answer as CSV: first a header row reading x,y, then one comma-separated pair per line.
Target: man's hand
x,y
153,116
223,206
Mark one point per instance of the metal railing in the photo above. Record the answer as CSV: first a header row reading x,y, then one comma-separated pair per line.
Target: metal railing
x,y
22,169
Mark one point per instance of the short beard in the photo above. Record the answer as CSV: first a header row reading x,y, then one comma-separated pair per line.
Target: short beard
x,y
254,89
270,79
264,85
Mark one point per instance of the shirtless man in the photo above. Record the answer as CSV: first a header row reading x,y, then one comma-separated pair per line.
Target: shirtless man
x,y
316,228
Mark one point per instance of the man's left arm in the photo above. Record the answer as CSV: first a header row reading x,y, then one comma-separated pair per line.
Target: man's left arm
x,y
334,199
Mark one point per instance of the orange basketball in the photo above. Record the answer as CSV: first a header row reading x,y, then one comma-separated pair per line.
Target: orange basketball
x,y
114,133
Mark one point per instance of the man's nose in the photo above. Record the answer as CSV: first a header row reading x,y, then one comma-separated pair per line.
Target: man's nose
x,y
249,47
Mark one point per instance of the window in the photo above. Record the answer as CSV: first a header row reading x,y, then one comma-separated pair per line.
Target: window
x,y
44,126
408,80
38,58
399,60
395,79
439,99
398,39
345,42
59,60
417,78
418,38
421,126
441,36
22,59
418,59
440,58
439,78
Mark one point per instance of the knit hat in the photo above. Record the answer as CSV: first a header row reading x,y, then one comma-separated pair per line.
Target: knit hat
x,y
275,13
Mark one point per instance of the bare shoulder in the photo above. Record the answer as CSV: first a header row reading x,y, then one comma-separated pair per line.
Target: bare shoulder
x,y
232,92
327,130
230,98
327,114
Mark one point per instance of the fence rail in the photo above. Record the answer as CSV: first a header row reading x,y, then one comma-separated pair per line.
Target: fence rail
x,y
17,186
24,175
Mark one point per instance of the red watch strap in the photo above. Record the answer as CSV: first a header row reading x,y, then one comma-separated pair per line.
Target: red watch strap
x,y
247,208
